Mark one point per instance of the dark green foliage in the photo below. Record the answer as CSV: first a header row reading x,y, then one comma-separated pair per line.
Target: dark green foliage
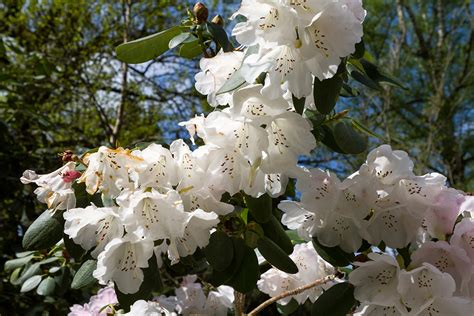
x,y
336,301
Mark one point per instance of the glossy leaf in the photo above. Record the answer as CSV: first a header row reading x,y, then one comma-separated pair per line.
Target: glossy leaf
x,y
190,50
348,139
220,251
246,277
326,93
179,39
146,48
334,255
222,277
45,231
276,256
260,208
336,301
274,231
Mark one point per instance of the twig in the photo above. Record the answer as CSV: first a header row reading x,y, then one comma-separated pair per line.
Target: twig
x,y
296,291
239,303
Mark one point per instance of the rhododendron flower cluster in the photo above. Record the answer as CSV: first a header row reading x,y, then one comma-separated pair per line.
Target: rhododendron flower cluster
x,y
407,240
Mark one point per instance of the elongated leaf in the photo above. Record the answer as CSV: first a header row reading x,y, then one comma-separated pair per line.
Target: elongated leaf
x,y
46,287
326,93
146,48
276,256
334,255
45,231
260,208
378,76
348,139
274,230
190,50
220,251
325,134
31,283
245,279
337,301
16,263
236,80
179,39
83,276
222,277
365,80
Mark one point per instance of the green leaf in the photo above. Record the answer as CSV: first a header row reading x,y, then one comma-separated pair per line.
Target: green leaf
x,y
359,50
348,92
14,277
298,104
365,80
222,277
190,50
45,231
336,301
274,231
151,282
295,238
220,251
83,276
16,263
348,139
30,283
358,125
246,277
325,134
378,76
220,36
28,272
276,256
334,255
326,93
147,48
46,287
260,208
236,80
179,39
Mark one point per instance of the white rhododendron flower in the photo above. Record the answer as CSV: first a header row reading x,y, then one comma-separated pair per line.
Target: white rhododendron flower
x,y
148,308
122,262
93,227
108,170
376,281
463,237
419,287
297,40
376,310
159,216
158,169
311,267
215,72
389,165
54,189
447,258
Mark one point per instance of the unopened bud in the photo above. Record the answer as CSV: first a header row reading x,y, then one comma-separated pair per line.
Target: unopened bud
x,y
200,12
218,20
68,156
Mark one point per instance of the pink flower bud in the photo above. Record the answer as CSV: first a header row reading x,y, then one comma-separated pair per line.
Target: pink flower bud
x,y
71,175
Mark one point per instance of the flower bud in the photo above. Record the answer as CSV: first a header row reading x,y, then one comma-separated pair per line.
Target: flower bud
x,y
68,156
218,20
200,12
